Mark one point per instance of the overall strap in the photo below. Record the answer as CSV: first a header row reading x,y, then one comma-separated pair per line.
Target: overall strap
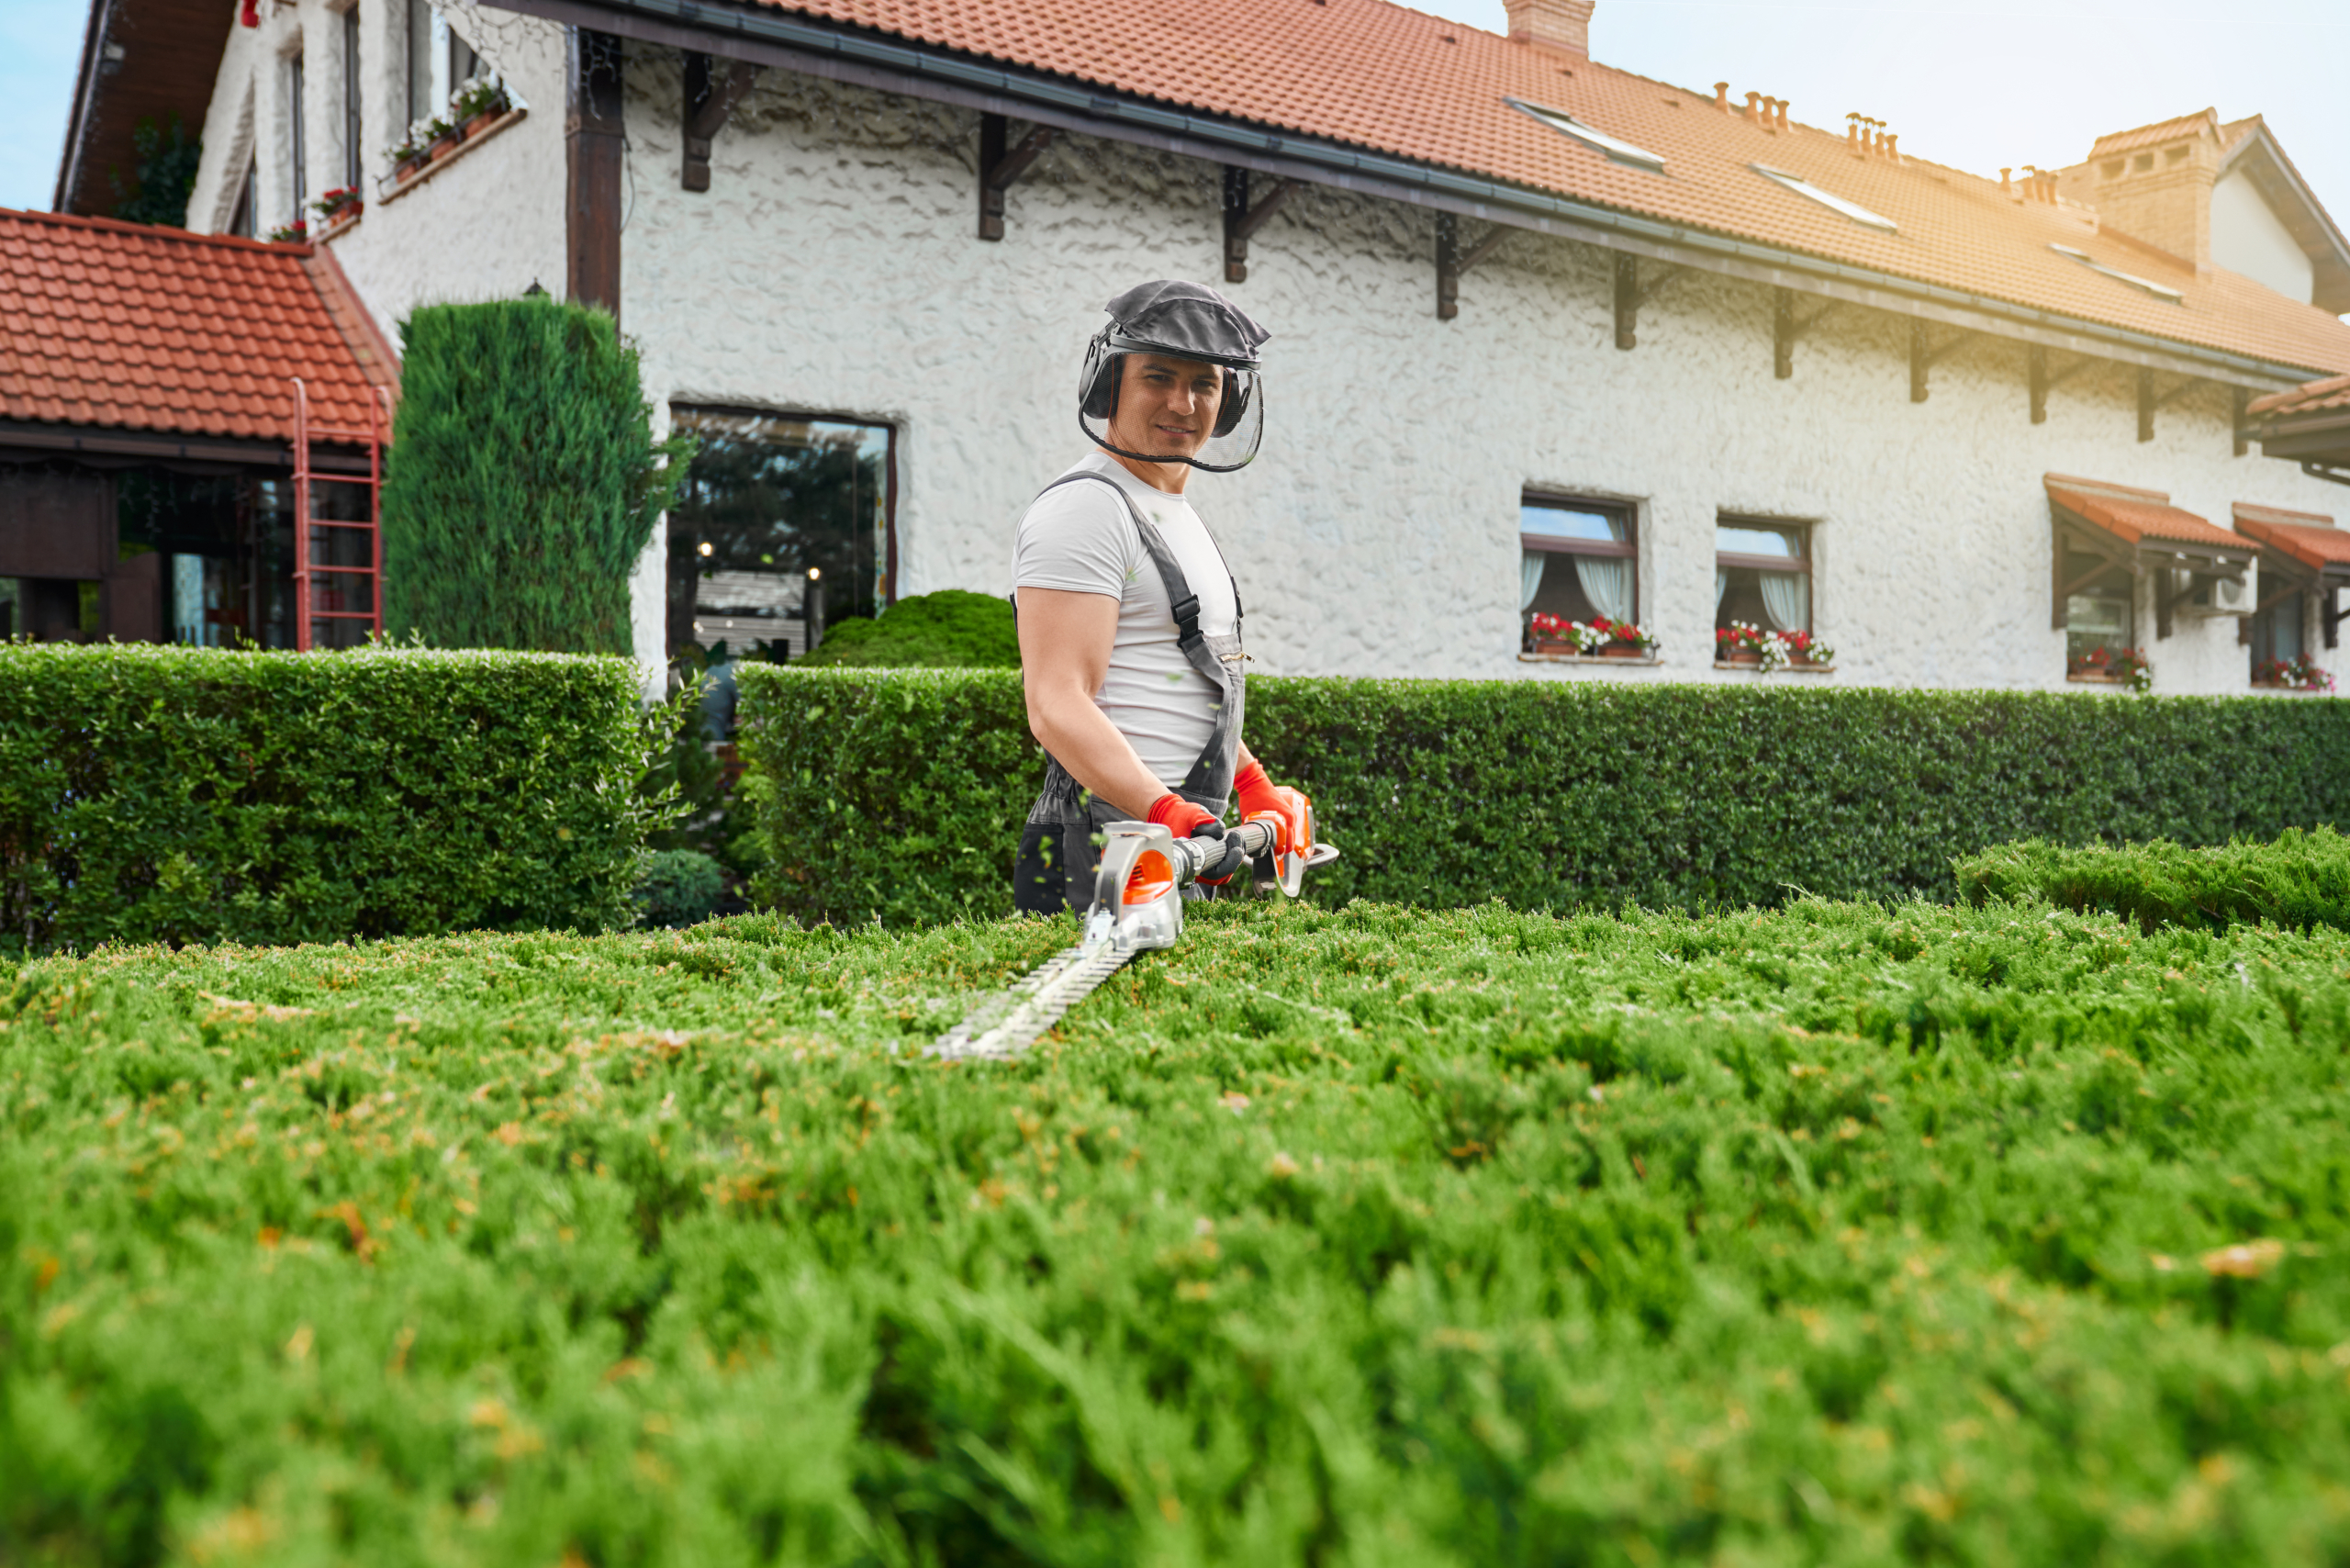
x,y
1185,606
1180,600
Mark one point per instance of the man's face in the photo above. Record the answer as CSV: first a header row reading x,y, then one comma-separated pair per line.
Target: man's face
x,y
1165,405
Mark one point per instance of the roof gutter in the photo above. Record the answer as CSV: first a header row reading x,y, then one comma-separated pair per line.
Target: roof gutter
x,y
764,36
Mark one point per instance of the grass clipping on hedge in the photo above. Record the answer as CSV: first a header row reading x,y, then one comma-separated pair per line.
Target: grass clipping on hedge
x,y
1981,1235
2299,881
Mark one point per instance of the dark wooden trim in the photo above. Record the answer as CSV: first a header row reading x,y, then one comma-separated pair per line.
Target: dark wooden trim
x,y
594,169
709,97
1552,545
1241,220
2238,397
1627,277
999,168
1788,329
1798,564
1923,358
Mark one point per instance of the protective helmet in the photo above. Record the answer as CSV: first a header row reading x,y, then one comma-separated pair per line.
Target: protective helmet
x,y
1184,320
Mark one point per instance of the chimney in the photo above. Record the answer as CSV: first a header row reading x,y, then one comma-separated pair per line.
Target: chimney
x,y
1559,23
2158,187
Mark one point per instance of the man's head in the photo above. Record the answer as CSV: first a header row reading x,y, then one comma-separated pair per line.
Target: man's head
x,y
1173,378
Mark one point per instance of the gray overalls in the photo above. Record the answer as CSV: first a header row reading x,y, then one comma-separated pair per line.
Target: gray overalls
x,y
1064,826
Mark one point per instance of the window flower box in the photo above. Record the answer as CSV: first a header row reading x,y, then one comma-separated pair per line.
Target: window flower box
x,y
2300,673
2120,667
477,103
1599,637
1743,646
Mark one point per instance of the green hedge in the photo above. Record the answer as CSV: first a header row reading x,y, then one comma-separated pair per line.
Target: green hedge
x,y
2299,881
181,794
899,794
951,629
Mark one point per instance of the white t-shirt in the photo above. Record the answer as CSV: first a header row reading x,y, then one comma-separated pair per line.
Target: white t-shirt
x,y
1078,538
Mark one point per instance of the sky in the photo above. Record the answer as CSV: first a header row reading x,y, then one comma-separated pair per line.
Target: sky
x,y
1974,87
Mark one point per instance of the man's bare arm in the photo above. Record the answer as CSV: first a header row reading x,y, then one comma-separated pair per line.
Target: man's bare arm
x,y
1065,643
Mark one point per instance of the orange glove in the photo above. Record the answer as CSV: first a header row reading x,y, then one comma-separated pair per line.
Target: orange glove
x,y
1289,808
1181,818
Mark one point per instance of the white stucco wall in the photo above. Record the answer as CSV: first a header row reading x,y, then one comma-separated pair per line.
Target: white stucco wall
x,y
2247,238
832,268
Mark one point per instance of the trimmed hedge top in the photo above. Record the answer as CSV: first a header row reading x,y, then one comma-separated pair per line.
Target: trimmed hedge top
x,y
166,794
899,795
2300,881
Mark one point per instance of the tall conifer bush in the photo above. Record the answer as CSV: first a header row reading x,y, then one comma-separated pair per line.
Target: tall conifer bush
x,y
523,481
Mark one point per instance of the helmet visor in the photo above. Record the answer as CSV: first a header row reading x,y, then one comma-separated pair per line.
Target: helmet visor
x,y
1153,408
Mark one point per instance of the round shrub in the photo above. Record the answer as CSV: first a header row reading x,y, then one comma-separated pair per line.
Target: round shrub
x,y
951,629
680,887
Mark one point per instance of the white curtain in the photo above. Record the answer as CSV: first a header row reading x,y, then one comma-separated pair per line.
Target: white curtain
x,y
1786,599
1721,586
1607,583
1530,579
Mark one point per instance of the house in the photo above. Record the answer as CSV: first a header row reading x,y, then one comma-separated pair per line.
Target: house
x,y
152,384
1550,338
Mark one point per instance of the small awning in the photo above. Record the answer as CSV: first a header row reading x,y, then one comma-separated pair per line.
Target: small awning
x,y
2129,531
2309,425
2306,538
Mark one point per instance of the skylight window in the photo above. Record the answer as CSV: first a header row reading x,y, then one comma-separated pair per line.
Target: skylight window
x,y
1597,140
1804,187
2158,290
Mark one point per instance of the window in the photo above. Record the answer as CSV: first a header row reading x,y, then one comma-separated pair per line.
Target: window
x,y
1804,187
462,63
2133,279
2276,631
1577,560
1597,140
1762,575
784,524
2101,620
295,150
351,98
422,101
2144,163
2174,155
2111,170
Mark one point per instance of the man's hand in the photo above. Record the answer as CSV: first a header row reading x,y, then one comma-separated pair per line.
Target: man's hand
x,y
1290,808
1184,820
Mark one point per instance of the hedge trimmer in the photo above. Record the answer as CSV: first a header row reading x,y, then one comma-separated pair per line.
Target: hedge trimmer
x,y
1137,907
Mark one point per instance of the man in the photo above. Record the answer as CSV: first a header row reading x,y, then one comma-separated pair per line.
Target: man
x,y
1129,619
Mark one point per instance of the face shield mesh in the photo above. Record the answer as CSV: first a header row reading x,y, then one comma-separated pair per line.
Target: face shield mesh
x,y
1153,408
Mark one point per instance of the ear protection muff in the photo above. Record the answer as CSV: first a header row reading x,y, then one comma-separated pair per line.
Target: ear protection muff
x,y
1232,407
1097,393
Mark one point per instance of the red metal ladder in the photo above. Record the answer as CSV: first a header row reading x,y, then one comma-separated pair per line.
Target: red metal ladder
x,y
324,589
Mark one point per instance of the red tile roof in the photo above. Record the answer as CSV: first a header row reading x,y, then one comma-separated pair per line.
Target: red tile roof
x,y
1376,75
2133,515
138,328
2332,392
2307,537
2159,132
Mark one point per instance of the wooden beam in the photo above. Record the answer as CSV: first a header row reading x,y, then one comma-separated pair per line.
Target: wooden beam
x,y
1788,330
1241,221
2330,616
2148,402
710,97
1923,358
594,152
2238,399
1452,261
1628,299
999,168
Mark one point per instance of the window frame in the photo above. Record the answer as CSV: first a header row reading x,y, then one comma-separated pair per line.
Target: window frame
x,y
353,102
886,594
1628,549
1804,562
298,148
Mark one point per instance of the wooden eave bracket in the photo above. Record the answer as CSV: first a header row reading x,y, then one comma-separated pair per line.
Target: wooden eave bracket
x,y
1787,329
2079,534
1452,261
2199,563
2327,471
999,168
710,97
1241,221
2043,381
1923,358
1631,294
2148,402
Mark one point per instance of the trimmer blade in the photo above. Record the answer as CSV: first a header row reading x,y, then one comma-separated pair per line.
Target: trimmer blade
x,y
1010,1022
